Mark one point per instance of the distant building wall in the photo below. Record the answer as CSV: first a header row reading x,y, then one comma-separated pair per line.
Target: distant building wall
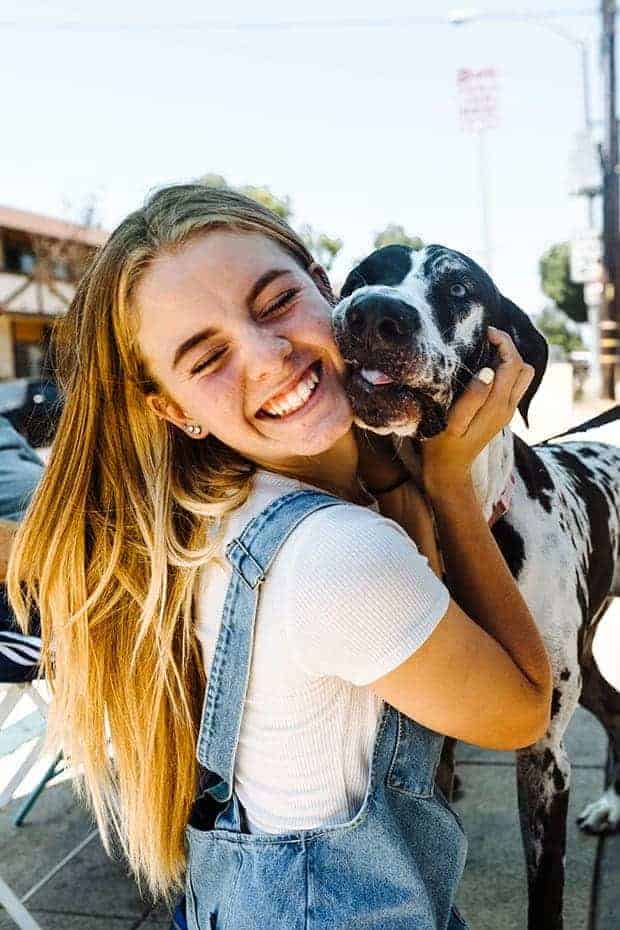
x,y
41,260
7,361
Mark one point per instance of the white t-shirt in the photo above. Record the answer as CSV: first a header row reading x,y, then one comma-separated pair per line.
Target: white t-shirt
x,y
347,599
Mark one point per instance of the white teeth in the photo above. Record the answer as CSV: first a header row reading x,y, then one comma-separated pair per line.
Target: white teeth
x,y
295,398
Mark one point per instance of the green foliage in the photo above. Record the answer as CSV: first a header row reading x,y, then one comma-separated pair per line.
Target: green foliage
x,y
556,283
278,205
393,234
324,248
559,330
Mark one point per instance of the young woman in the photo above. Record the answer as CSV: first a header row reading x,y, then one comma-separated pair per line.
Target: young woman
x,y
206,452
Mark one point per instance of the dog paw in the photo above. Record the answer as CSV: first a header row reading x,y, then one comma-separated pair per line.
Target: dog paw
x,y
602,816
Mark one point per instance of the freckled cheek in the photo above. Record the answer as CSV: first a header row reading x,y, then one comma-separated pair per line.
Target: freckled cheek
x,y
323,335
218,400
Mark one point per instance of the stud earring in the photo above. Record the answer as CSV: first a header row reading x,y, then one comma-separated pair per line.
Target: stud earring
x,y
194,429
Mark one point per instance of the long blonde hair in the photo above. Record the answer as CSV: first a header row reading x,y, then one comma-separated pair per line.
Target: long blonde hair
x,y
114,538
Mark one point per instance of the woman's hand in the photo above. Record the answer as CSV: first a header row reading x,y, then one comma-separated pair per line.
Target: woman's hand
x,y
487,405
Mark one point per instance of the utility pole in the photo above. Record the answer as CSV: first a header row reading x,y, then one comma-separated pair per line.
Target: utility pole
x,y
610,317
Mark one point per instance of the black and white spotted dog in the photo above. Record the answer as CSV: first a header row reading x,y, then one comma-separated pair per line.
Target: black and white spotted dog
x,y
412,326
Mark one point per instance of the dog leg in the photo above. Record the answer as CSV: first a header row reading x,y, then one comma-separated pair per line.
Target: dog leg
x,y
543,778
598,696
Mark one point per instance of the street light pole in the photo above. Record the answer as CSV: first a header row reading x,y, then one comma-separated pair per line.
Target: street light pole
x,y
599,317
609,324
464,17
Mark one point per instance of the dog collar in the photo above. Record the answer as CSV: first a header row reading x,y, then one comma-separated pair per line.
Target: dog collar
x,y
502,506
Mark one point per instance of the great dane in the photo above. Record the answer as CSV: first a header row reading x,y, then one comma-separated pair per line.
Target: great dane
x,y
412,327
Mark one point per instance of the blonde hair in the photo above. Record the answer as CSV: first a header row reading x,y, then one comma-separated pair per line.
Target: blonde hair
x,y
114,538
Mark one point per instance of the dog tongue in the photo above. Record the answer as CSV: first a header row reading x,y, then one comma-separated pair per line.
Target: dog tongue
x,y
375,377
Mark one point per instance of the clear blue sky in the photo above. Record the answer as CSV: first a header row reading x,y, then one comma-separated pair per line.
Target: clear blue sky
x,y
359,126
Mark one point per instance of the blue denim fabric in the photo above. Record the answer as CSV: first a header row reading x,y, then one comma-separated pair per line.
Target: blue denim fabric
x,y
394,866
20,472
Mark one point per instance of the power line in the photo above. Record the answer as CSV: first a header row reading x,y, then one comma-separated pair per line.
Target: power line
x,y
53,25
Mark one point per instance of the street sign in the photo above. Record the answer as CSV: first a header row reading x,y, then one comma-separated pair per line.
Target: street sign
x,y
584,166
586,252
477,98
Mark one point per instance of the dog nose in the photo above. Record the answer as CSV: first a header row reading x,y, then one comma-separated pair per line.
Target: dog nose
x,y
382,319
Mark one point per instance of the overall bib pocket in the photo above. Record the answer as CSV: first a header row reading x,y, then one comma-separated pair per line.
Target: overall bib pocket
x,y
212,873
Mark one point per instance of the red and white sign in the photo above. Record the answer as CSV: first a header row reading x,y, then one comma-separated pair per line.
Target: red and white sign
x,y
478,98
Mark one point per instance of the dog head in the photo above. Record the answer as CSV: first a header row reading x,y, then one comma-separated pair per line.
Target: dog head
x,y
412,326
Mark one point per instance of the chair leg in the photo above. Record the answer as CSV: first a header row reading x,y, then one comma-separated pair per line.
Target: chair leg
x,y
15,909
29,802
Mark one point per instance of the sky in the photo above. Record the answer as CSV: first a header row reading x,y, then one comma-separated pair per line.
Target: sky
x,y
359,125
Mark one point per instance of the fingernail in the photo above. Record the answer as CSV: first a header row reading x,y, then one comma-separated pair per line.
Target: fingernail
x,y
486,375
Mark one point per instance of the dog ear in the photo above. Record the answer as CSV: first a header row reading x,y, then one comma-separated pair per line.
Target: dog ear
x,y
531,344
354,280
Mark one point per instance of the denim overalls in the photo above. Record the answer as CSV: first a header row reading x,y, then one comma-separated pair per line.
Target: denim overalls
x,y
395,866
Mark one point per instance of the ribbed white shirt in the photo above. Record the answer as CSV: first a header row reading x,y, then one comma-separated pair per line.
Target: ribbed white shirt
x,y
347,599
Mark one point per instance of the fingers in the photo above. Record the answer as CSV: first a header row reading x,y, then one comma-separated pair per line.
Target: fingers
x,y
505,346
470,402
512,371
491,398
521,385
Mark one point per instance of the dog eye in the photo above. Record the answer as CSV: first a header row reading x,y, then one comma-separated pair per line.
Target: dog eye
x,y
458,290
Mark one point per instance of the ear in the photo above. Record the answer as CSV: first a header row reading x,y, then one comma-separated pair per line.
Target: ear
x,y
171,412
319,276
531,344
353,280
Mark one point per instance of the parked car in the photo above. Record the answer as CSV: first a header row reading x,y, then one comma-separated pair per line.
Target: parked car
x,y
33,406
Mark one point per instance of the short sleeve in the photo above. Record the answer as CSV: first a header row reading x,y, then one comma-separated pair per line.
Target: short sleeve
x,y
361,598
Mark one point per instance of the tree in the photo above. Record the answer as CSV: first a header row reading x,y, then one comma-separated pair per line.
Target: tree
x,y
323,247
556,283
559,330
393,234
281,206
263,195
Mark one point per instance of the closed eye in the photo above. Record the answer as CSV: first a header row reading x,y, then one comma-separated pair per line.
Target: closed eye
x,y
280,301
207,361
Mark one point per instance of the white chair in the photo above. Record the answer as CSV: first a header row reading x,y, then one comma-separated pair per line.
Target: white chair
x,y
29,727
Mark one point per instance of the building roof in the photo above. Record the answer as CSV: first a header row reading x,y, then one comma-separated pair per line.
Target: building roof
x,y
23,295
36,224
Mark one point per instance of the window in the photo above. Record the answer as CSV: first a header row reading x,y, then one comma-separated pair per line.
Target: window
x,y
17,257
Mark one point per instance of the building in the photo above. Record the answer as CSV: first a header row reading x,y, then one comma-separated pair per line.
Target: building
x,y
41,259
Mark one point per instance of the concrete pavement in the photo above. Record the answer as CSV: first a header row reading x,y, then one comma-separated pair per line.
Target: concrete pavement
x,y
95,893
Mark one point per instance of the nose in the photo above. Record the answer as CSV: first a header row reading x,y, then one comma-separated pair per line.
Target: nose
x,y
265,355
380,319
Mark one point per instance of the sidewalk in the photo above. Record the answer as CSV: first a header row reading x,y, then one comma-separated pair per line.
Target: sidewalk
x,y
95,893
493,894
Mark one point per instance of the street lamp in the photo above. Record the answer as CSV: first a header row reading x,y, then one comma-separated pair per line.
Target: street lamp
x,y
466,16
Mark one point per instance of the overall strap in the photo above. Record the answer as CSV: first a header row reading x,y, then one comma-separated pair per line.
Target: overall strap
x,y
250,555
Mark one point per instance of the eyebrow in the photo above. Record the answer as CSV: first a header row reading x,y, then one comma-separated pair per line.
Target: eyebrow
x,y
251,296
262,282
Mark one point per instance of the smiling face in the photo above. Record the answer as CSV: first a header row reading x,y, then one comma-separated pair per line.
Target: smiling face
x,y
412,328
239,338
